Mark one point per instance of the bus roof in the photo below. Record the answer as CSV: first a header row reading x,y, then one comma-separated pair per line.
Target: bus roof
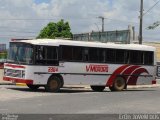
x,y
58,42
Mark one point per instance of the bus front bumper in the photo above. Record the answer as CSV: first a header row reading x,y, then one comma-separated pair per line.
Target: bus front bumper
x,y
18,80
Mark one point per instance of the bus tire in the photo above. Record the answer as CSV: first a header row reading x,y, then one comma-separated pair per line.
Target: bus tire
x,y
61,79
54,84
111,88
119,84
97,88
33,87
62,83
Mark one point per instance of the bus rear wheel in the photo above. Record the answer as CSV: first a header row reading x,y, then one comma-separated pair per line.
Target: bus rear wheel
x,y
33,87
97,88
118,85
54,84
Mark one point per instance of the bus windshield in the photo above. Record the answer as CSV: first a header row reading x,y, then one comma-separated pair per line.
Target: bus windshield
x,y
20,53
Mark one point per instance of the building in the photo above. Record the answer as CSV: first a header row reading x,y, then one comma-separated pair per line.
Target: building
x,y
117,36
157,45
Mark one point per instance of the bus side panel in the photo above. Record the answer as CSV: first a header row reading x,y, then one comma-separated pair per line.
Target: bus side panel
x,y
146,76
85,79
142,80
78,73
84,73
133,74
40,76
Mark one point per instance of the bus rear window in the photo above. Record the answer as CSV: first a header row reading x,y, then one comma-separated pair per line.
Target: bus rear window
x,y
148,58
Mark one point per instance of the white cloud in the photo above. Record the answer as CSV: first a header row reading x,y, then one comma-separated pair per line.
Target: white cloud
x,y
82,15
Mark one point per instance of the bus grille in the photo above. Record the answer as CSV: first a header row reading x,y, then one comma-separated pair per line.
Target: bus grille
x,y
13,73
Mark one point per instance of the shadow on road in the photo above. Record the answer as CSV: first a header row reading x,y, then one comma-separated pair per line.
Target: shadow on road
x,y
137,90
63,90
80,90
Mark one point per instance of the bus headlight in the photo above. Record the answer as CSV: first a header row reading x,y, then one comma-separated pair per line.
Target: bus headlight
x,y
23,74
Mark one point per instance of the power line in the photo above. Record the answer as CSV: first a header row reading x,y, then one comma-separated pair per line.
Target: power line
x,y
40,19
13,28
15,36
12,31
121,20
151,8
27,19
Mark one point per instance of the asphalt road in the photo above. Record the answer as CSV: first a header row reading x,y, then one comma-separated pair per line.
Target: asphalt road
x,y
14,99
78,102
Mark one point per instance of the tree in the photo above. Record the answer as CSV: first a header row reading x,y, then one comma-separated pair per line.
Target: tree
x,y
60,29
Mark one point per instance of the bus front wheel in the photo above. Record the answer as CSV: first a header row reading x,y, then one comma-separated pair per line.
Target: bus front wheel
x,y
33,87
118,85
98,88
54,84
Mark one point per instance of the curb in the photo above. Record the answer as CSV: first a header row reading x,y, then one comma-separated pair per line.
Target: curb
x,y
17,84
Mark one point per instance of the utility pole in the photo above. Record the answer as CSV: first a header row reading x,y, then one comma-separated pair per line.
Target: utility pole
x,y
98,31
101,17
141,23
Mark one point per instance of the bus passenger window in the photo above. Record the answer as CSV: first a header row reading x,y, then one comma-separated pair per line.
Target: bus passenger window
x,y
148,58
127,58
77,54
120,56
101,55
40,53
51,53
110,55
66,53
93,54
85,54
136,57
46,55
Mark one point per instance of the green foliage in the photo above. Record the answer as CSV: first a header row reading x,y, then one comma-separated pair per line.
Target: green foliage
x,y
3,55
53,30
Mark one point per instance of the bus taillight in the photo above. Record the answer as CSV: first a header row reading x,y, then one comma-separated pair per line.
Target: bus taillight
x,y
154,82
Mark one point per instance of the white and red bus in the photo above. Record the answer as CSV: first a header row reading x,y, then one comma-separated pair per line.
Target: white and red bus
x,y
54,63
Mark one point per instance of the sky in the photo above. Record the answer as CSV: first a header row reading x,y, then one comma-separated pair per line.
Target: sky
x,y
25,18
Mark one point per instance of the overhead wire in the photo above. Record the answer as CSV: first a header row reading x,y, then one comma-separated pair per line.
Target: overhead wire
x,y
16,36
121,20
151,8
41,19
12,31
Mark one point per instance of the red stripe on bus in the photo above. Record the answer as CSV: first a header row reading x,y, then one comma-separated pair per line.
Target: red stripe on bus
x,y
128,71
16,80
133,79
1,65
14,66
115,73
